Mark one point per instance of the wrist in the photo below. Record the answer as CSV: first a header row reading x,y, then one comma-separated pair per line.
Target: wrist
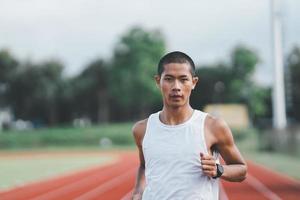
x,y
219,171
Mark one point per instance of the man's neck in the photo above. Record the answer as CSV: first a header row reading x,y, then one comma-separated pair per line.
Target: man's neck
x,y
175,116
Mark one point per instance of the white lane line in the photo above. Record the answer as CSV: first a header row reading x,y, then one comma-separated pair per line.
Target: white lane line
x,y
35,183
127,196
260,187
223,195
107,185
67,188
290,179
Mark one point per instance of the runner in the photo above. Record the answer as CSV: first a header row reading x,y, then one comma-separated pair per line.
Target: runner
x,y
179,146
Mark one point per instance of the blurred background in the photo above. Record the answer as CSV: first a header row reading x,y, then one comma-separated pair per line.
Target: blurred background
x,y
78,74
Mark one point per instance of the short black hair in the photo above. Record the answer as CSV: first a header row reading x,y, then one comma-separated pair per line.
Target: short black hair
x,y
175,57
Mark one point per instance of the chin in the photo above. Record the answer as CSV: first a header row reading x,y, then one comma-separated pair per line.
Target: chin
x,y
176,105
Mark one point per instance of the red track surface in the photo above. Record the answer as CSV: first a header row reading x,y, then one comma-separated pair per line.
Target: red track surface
x,y
115,181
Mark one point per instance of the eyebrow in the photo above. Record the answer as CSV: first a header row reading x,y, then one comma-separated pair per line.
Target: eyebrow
x,y
181,76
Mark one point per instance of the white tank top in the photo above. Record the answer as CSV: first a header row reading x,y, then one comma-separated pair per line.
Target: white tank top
x,y
172,160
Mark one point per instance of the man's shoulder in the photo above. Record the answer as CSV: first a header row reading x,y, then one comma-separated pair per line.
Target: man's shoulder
x,y
215,123
218,128
139,128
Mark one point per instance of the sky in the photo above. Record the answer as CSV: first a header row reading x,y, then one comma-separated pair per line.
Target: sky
x,y
79,31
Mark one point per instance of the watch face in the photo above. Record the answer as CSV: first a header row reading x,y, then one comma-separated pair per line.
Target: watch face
x,y
220,169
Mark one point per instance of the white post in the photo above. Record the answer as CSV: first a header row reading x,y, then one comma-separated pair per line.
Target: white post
x,y
279,110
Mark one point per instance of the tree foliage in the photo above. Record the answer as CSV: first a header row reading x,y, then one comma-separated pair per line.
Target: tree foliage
x,y
122,88
293,63
8,67
34,91
231,83
90,92
134,65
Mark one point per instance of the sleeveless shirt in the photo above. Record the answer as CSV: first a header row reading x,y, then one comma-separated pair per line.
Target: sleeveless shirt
x,y
172,160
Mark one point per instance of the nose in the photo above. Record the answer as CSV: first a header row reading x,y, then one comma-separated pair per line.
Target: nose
x,y
176,86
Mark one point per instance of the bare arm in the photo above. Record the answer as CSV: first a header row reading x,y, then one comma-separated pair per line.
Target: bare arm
x,y
236,167
221,139
138,133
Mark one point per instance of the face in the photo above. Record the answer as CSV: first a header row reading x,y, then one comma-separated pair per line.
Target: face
x,y
176,83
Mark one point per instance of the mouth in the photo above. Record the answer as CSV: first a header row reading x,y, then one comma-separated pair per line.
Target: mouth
x,y
176,96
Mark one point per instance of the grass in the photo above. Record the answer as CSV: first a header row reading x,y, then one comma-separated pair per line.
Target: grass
x,y
20,167
75,148
106,135
249,145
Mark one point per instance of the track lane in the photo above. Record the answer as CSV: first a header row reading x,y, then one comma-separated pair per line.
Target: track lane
x,y
116,181
283,186
39,188
70,185
263,184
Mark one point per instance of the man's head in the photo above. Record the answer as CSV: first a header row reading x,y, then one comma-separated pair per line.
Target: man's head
x,y
176,78
175,57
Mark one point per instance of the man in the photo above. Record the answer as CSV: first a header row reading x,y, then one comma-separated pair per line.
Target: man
x,y
179,146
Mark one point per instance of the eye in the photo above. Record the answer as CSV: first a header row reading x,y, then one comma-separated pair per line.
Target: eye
x,y
167,78
184,79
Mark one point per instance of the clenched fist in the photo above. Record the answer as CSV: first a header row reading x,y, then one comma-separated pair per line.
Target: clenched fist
x,y
208,165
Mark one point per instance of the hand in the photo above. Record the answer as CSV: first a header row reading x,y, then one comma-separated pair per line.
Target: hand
x,y
208,165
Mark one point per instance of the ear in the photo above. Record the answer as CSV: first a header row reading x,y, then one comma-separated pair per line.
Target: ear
x,y
195,81
157,80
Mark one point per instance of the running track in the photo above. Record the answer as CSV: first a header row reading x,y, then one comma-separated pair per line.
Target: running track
x,y
115,181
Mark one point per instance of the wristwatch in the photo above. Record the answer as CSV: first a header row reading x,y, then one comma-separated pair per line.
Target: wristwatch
x,y
220,171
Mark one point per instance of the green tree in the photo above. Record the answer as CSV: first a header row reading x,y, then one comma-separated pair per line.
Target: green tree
x,y
231,83
8,68
242,88
134,65
91,93
243,62
212,85
293,63
34,91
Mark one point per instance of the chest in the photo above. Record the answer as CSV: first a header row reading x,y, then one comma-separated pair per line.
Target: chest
x,y
169,146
